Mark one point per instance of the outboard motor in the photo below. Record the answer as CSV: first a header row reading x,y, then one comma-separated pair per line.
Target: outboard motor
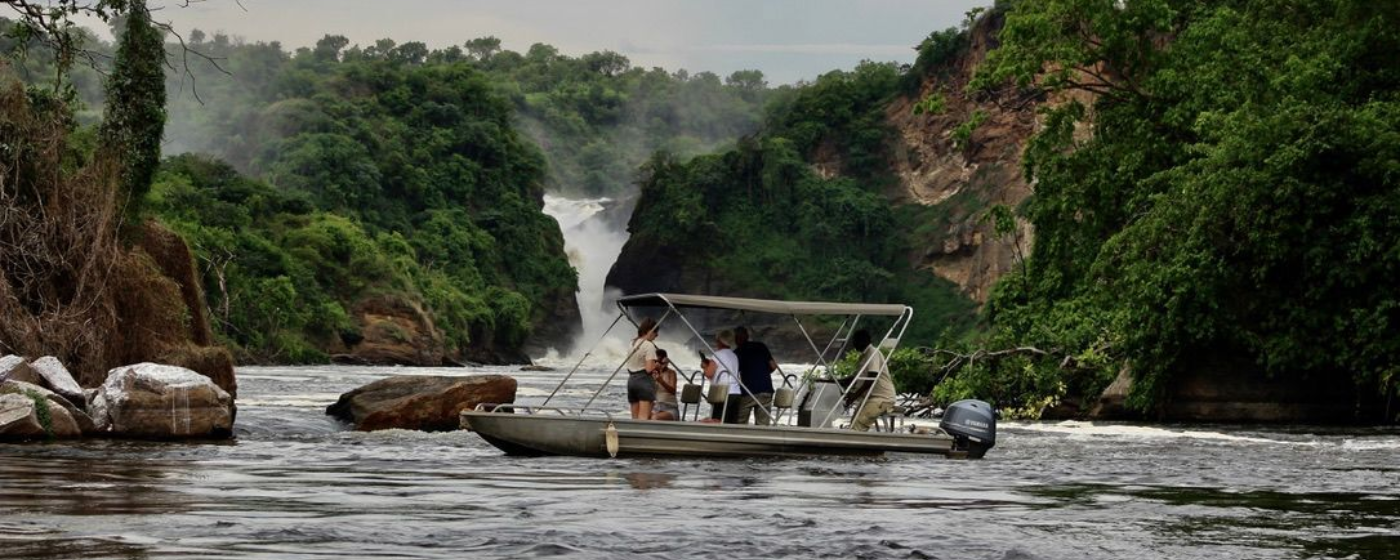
x,y
973,425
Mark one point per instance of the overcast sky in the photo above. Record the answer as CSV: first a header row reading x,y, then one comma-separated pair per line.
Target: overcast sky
x,y
787,39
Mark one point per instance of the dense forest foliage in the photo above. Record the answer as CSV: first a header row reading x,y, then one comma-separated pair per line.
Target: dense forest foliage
x,y
341,174
386,179
1235,202
760,220
595,116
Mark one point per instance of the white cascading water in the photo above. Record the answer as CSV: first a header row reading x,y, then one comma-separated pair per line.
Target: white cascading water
x,y
593,245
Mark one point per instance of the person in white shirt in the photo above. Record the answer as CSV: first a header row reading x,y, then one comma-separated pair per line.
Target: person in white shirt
x,y
725,371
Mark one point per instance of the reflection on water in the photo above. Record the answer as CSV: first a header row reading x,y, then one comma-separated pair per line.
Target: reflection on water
x,y
295,485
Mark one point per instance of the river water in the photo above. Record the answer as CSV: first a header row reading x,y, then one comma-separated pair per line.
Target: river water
x,y
297,485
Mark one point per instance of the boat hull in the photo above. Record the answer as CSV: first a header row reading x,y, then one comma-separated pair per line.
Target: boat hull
x,y
542,434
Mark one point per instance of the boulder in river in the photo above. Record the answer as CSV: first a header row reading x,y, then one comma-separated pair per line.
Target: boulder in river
x,y
57,378
52,415
419,402
17,368
162,402
19,419
1113,403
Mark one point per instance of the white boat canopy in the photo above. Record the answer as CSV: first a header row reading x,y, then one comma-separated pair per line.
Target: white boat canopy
x,y
761,305
852,313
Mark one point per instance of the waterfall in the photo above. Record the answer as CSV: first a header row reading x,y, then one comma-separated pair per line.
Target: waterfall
x,y
593,245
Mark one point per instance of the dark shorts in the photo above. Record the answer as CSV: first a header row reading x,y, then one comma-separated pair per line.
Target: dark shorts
x,y
640,387
729,410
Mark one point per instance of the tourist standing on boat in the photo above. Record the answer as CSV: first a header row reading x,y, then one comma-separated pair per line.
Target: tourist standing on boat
x,y
756,365
873,385
666,407
725,372
641,365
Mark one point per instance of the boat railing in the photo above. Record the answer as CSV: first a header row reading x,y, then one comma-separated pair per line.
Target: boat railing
x,y
508,408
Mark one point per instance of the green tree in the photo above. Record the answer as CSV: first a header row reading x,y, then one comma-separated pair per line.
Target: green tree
x,y
135,119
1227,207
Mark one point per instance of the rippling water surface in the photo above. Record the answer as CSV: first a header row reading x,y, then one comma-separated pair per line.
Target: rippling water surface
x,y
296,485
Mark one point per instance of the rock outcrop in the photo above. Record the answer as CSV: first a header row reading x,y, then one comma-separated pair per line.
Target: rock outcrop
x,y
15,367
153,401
56,417
19,418
962,180
419,402
1113,403
57,378
393,331
1220,387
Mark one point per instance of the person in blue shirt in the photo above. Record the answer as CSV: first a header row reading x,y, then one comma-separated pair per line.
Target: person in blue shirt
x,y
756,366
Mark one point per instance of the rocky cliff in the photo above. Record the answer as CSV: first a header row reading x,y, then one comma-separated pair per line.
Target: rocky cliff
x,y
957,180
942,185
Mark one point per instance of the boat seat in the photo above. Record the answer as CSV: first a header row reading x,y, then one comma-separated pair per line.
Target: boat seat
x,y
690,393
719,392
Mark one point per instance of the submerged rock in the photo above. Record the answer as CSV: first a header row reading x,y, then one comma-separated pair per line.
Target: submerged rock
x,y
419,402
534,367
161,402
57,378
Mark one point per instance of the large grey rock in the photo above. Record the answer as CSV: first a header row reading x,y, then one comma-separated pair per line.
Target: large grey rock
x,y
161,402
420,402
19,419
22,417
1113,403
17,368
66,414
57,378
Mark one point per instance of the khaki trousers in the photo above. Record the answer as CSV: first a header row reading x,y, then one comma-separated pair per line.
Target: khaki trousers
x,y
871,413
749,404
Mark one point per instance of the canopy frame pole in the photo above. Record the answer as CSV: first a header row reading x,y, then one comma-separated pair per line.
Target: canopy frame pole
x,y
841,350
852,321
743,390
821,354
901,323
581,360
609,381
703,342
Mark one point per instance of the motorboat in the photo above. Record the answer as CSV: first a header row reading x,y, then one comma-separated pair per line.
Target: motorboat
x,y
806,410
